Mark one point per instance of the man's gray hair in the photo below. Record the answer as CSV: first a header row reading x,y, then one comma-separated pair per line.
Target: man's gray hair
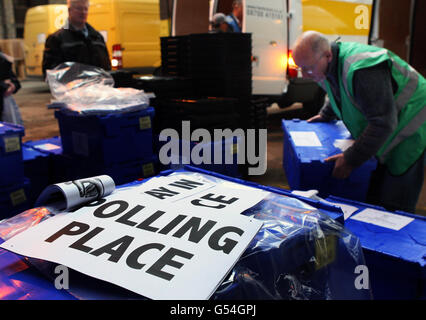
x,y
320,44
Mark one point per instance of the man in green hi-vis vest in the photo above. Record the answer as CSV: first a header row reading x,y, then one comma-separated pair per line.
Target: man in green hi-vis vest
x,y
381,100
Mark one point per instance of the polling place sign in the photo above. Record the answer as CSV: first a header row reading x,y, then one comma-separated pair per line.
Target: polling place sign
x,y
173,237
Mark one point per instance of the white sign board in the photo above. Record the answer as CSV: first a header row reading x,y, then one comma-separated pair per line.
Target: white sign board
x,y
169,238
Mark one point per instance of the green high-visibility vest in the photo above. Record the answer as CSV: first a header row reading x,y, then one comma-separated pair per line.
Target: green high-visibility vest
x,y
408,141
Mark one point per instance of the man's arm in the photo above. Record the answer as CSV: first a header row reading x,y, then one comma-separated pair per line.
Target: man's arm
x,y
325,114
373,93
52,55
8,76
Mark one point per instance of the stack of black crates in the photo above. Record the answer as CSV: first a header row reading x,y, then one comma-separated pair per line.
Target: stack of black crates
x,y
205,79
219,65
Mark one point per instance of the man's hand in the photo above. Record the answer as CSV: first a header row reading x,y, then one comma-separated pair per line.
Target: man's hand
x,y
10,89
342,169
316,118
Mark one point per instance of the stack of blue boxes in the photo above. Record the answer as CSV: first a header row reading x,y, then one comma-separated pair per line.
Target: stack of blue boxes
x,y
14,186
306,145
117,144
394,245
42,164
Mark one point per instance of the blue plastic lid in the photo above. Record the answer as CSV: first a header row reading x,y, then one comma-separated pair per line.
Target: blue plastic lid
x,y
29,153
318,140
11,128
50,145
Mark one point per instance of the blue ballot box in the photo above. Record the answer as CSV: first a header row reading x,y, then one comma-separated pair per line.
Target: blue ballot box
x,y
37,170
306,145
52,149
11,165
300,252
15,199
394,245
107,139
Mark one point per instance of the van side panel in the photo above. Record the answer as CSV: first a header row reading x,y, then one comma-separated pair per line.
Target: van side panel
x,y
134,24
267,22
139,33
349,19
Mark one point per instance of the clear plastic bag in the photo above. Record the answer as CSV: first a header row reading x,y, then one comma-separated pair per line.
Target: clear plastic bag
x,y
11,112
88,89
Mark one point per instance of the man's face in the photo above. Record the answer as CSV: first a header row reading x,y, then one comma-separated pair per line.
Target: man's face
x,y
313,66
238,11
78,13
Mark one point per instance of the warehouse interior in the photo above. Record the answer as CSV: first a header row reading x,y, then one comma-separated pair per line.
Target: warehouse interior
x,y
86,191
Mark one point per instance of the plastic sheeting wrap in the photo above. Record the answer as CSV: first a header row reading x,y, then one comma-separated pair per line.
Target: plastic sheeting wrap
x,y
299,253
88,89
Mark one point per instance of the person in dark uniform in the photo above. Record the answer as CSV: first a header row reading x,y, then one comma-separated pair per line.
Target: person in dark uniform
x,y
9,84
76,41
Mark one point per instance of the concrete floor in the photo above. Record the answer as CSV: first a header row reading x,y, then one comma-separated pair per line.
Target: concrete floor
x,y
40,123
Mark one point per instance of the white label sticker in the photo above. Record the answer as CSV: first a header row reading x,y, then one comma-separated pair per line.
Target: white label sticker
x,y
383,219
47,146
347,209
41,38
305,139
343,144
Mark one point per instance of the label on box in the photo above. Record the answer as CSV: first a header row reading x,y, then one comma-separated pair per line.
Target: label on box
x,y
47,146
18,197
305,139
12,144
148,169
325,251
347,209
383,219
145,123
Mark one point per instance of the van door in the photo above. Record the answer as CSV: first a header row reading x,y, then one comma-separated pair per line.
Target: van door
x,y
266,20
138,25
40,22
